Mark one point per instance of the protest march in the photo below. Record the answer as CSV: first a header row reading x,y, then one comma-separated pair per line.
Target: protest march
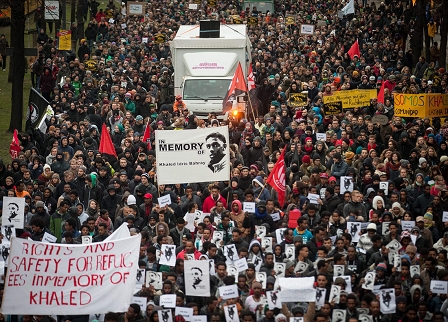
x,y
315,192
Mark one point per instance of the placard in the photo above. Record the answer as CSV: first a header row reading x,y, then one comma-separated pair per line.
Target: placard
x,y
86,239
154,279
333,108
313,198
279,269
290,252
186,312
407,225
385,227
249,207
181,155
252,21
339,315
445,216
8,231
167,301
346,184
321,137
141,301
384,185
338,270
298,99
165,315
49,238
199,318
168,255
13,212
301,267
414,270
320,296
145,40
335,294
241,264
290,20
439,287
387,301
306,29
197,276
279,234
354,229
300,289
140,277
274,300
192,6
164,200
231,313
275,216
352,98
232,270
51,10
266,244
230,252
369,281
67,283
135,8
228,292
261,278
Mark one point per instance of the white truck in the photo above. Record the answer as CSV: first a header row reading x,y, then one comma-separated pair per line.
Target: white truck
x,y
204,67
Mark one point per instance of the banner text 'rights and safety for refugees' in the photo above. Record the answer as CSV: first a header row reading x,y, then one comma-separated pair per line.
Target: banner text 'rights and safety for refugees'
x,y
60,278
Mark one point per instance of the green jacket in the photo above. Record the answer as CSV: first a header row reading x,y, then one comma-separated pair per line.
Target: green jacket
x,y
57,222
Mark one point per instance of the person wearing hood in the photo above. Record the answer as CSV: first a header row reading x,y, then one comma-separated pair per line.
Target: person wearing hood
x,y
60,165
237,213
423,167
422,202
255,256
260,192
92,190
421,240
259,217
339,167
256,151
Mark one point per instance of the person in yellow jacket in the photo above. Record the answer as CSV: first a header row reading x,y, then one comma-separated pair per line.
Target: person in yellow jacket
x,y
432,29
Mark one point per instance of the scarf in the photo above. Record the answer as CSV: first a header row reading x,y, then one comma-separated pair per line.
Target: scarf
x,y
371,147
259,215
181,233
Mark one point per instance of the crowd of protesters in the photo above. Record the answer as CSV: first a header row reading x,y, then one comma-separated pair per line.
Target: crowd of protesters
x,y
71,190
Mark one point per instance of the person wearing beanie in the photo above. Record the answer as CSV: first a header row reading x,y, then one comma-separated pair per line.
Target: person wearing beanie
x,y
423,167
428,220
306,162
339,168
349,155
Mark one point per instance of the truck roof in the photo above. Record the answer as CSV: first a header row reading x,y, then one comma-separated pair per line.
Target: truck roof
x,y
231,36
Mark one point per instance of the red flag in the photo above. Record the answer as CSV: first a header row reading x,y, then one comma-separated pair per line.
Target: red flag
x,y
380,97
147,136
277,177
106,145
237,87
354,50
14,147
250,79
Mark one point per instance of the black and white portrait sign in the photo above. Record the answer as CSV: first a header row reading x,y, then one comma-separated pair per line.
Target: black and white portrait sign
x,y
335,294
354,228
197,278
339,315
168,255
181,155
13,212
274,299
387,301
8,232
320,296
338,270
165,315
369,281
290,251
231,313
154,279
266,244
279,269
346,184
230,253
261,278
301,267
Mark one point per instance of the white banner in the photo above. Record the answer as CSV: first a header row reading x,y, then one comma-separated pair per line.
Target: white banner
x,y
193,155
13,212
197,278
51,10
299,289
57,279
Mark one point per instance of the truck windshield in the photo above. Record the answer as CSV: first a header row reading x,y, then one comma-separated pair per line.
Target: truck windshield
x,y
205,88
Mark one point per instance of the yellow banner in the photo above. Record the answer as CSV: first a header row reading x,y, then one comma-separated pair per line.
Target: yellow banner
x,y
65,39
298,99
252,21
290,20
421,105
352,98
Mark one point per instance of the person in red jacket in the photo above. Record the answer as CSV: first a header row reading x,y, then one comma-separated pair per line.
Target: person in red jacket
x,y
211,200
189,249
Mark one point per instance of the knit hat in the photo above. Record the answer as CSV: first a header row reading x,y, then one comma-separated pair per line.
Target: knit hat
x,y
270,280
381,266
359,150
401,299
306,159
411,249
288,264
337,155
428,216
349,155
443,158
339,280
421,161
40,204
332,179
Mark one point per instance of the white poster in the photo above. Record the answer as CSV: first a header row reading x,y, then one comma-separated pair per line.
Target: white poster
x,y
167,301
197,278
230,253
320,296
266,244
232,270
385,227
369,281
335,294
339,315
68,279
414,270
140,278
217,238
274,300
241,264
231,313
290,252
260,231
228,292
308,30
384,185
346,184
301,267
168,255
365,318
186,312
338,270
407,225
154,279
181,155
261,278
165,315
141,301
13,212
354,228
439,287
164,201
51,10
300,289
8,232
279,269
387,301
393,245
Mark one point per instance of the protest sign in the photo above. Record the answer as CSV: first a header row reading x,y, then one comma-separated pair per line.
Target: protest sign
x,y
306,29
49,238
414,270
290,250
339,315
165,315
260,231
168,255
298,99
135,8
354,228
407,225
421,105
8,231
231,313
249,206
352,98
445,216
266,244
228,292
338,270
301,267
232,271
193,6
140,277
275,216
365,318
197,276
241,264
385,227
384,185
69,279
290,20
313,198
320,296
348,282
230,253
335,294
333,108
154,279
346,184
252,21
86,239
141,301
168,300
199,318
439,287
279,269
164,201
186,312
387,301
13,212
299,289
274,300
321,137
279,235
369,281
261,277
181,155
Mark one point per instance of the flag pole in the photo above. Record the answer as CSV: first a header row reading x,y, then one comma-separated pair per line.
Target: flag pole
x,y
251,107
